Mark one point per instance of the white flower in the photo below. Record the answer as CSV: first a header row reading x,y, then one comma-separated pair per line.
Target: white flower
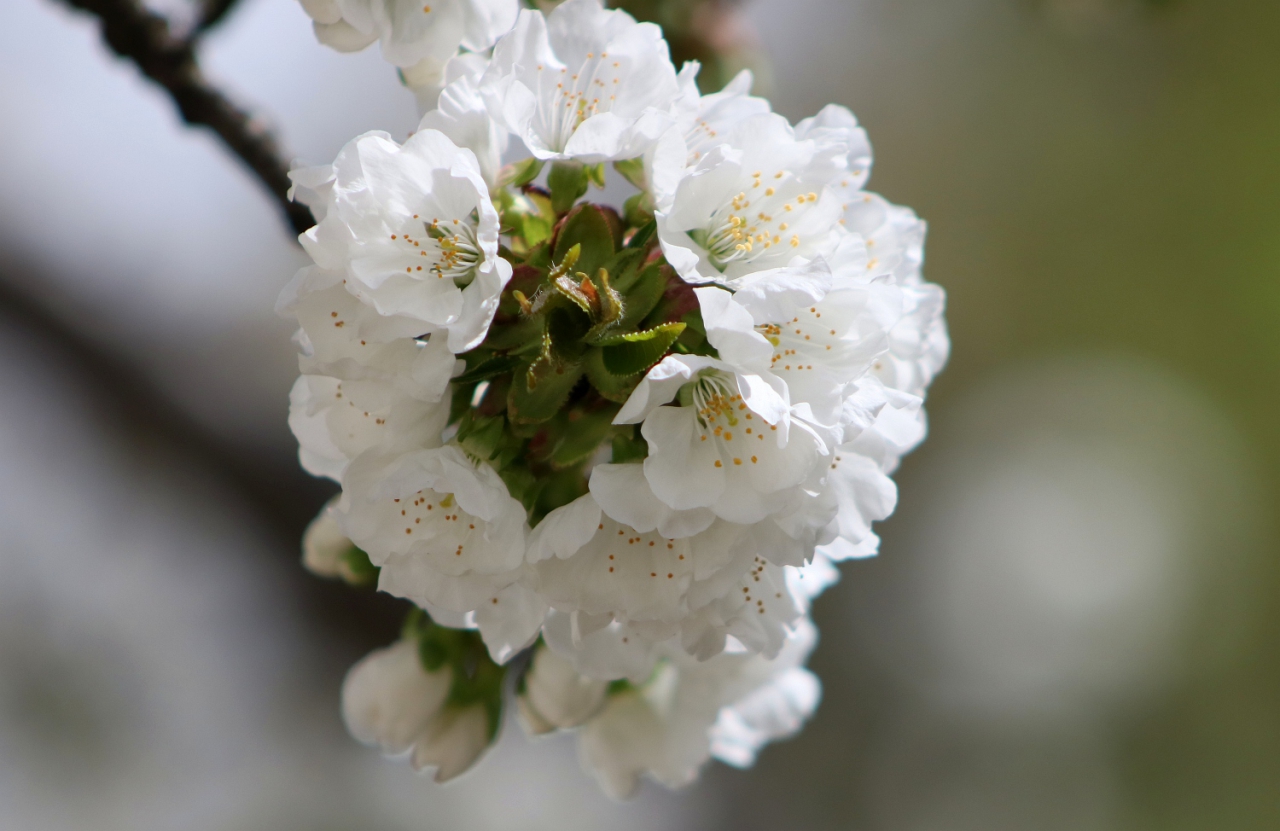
x,y
357,390
669,725
555,697
757,611
453,742
789,323
864,494
460,114
582,83
703,122
837,129
776,709
706,121
759,201
324,546
885,253
733,445
391,701
413,232
444,530
592,564
714,581
412,31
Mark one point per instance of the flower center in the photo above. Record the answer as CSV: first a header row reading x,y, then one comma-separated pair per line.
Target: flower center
x,y
804,336
760,221
715,400
450,247
574,98
435,517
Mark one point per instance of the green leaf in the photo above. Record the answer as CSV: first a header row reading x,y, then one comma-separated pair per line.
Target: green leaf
x,y
625,268
595,173
523,486
489,368
646,232
527,217
517,337
610,386
531,228
638,211
482,437
566,328
548,396
587,226
632,170
581,435
357,569
518,174
558,489
631,354
461,402
629,447
568,182
643,296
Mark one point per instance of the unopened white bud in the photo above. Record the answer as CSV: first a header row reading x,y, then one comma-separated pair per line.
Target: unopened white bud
x,y
453,742
390,700
556,696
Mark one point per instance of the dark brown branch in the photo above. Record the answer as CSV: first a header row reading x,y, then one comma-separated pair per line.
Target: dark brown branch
x,y
213,12
145,38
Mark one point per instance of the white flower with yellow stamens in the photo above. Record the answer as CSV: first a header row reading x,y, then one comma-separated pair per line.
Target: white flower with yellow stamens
x,y
819,342
669,724
731,442
413,232
706,121
582,83
757,202
447,535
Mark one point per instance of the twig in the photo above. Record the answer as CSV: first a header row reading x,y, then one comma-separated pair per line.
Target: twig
x,y
213,12
145,38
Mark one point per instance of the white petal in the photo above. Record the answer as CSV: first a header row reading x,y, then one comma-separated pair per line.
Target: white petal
x,y
388,699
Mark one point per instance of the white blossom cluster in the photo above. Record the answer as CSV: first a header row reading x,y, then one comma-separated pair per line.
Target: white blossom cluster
x,y
667,606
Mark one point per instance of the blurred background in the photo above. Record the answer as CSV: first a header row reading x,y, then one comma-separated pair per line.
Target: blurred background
x,y
1073,624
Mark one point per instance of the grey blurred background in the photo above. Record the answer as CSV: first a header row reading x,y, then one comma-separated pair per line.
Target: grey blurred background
x,y
1073,623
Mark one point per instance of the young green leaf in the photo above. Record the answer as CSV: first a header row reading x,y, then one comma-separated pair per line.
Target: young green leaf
x,y
638,211
613,387
632,170
626,355
589,228
629,446
595,173
580,435
643,296
568,182
544,400
487,369
518,174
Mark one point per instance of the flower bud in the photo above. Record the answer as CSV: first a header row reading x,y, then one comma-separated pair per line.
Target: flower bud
x,y
453,742
323,545
555,696
390,700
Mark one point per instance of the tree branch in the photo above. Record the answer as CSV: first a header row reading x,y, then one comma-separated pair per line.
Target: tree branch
x,y
134,32
213,12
